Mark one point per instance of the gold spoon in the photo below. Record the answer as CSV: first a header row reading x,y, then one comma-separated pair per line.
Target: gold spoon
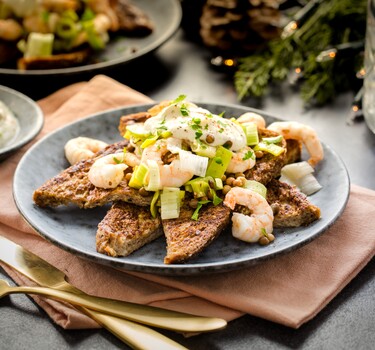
x,y
149,315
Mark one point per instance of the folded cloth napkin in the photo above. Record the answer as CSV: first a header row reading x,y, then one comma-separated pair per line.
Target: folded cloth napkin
x,y
290,289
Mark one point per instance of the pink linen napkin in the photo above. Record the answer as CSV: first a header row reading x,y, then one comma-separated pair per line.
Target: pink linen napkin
x,y
289,289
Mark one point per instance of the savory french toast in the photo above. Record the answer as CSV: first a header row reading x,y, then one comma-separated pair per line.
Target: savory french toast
x,y
131,19
186,237
126,228
268,166
125,120
60,60
291,207
72,186
129,225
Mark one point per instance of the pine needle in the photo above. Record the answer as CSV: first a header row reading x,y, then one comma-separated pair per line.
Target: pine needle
x,y
334,22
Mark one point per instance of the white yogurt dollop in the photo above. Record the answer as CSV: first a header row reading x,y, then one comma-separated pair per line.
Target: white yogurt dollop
x,y
186,121
9,125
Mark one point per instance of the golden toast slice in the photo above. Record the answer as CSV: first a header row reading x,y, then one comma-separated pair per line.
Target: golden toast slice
x,y
72,186
126,228
292,207
186,238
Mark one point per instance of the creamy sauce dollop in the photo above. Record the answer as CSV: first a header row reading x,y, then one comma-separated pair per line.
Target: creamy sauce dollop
x,y
186,121
9,125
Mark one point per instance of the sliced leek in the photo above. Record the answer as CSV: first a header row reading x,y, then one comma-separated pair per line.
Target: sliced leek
x,y
301,175
219,164
154,182
202,149
297,170
39,45
138,178
153,205
251,131
256,187
170,203
269,148
193,163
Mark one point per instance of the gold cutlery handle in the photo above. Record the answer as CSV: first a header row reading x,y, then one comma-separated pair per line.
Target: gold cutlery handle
x,y
138,337
145,314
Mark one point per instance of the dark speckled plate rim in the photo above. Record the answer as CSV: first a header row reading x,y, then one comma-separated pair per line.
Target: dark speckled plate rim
x,y
33,128
187,268
174,22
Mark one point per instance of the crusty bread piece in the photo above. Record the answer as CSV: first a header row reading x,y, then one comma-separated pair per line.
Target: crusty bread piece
x,y
8,51
126,228
128,119
186,238
63,60
269,166
132,19
293,207
293,151
72,186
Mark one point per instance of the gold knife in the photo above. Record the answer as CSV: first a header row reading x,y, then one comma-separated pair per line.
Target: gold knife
x,y
47,275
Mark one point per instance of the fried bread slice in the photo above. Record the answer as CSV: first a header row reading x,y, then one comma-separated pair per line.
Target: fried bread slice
x,y
186,238
61,60
132,19
72,186
292,207
268,166
128,119
126,228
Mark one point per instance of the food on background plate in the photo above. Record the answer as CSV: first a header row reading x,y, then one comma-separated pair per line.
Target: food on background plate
x,y
191,174
47,34
9,125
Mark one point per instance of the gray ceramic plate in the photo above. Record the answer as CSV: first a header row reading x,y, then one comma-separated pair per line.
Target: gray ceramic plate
x,y
166,16
74,229
29,115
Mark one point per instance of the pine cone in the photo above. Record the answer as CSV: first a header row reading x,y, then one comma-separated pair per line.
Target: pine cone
x,y
239,25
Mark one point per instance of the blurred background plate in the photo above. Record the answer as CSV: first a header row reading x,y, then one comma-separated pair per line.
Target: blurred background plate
x,y
166,16
29,115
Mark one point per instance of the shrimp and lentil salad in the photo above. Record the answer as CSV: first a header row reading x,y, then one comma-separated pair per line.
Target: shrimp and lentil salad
x,y
184,155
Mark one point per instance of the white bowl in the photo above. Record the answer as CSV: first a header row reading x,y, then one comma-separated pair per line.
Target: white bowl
x,y
29,115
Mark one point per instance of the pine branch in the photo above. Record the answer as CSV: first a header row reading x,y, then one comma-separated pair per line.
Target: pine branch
x,y
334,22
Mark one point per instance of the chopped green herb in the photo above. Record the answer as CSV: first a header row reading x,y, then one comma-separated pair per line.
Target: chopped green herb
x,y
166,134
87,15
222,114
218,160
117,161
45,16
196,211
184,111
249,155
198,134
196,120
179,99
275,139
195,127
